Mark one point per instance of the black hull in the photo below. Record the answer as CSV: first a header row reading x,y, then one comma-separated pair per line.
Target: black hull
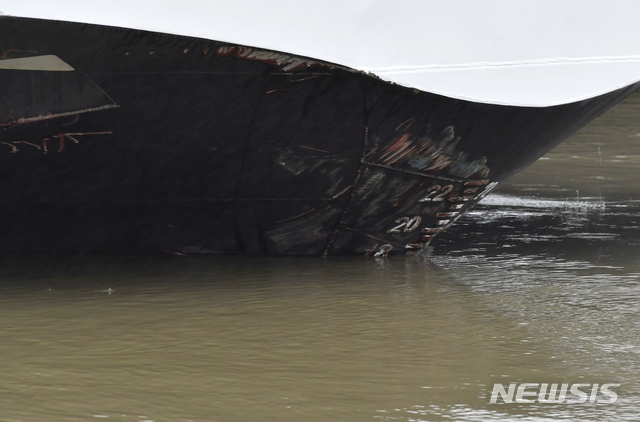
x,y
164,143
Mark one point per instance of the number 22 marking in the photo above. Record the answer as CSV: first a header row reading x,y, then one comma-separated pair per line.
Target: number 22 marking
x,y
436,193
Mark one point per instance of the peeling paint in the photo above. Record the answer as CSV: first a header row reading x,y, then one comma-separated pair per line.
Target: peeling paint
x,y
423,154
431,230
491,186
476,182
447,214
285,62
384,251
462,199
415,245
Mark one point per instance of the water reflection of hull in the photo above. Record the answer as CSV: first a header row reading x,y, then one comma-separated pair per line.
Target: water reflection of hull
x,y
148,142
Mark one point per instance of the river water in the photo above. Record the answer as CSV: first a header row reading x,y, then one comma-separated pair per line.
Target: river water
x,y
539,284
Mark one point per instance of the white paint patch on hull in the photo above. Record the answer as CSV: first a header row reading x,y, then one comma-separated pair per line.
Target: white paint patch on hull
x,y
48,63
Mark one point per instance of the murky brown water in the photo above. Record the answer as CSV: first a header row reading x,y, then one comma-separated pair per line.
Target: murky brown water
x,y
602,159
540,284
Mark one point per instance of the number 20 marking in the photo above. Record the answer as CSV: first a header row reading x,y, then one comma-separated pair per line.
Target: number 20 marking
x,y
406,224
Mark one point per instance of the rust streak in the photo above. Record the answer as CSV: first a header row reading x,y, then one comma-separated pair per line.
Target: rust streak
x,y
73,122
401,149
315,149
446,214
476,182
431,230
396,150
407,122
415,245
23,120
371,251
5,54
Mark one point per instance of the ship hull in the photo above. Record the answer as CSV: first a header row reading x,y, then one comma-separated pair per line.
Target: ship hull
x,y
150,142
